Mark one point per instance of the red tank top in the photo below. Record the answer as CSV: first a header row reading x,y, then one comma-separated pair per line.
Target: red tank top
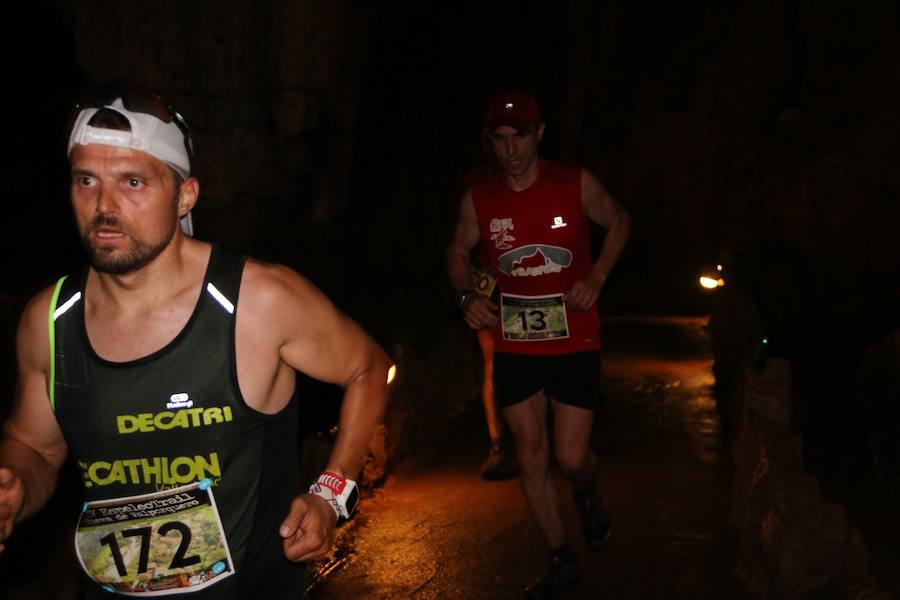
x,y
538,241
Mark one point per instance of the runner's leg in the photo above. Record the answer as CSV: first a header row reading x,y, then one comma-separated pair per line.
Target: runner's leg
x,y
527,420
572,432
486,341
500,463
572,437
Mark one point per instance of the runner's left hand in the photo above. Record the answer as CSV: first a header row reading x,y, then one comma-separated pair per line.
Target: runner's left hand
x,y
308,530
584,293
12,495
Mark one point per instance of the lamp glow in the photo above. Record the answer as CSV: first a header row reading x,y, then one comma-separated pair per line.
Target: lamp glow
x,y
711,276
710,283
392,373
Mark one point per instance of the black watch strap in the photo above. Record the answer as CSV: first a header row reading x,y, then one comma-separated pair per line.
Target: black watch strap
x,y
462,297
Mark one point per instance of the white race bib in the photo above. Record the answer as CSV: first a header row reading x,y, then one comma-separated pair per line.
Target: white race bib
x,y
155,544
533,318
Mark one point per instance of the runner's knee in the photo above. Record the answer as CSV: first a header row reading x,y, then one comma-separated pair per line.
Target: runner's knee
x,y
532,452
572,465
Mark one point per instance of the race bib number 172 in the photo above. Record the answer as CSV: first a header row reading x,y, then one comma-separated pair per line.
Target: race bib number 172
x,y
154,544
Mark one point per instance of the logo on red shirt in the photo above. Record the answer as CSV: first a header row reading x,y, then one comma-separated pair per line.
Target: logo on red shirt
x,y
534,260
500,229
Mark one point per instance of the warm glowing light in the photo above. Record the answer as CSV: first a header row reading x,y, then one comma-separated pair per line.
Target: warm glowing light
x,y
392,372
719,268
709,283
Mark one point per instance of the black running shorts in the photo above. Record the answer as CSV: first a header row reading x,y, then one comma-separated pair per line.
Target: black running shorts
x,y
572,379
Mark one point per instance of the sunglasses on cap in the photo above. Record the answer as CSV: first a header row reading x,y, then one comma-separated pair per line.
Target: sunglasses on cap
x,y
137,101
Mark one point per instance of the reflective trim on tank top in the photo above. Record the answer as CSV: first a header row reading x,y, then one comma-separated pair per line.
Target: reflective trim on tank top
x,y
220,298
52,315
55,312
66,305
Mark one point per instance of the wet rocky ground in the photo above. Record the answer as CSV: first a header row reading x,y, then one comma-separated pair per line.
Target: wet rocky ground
x,y
436,530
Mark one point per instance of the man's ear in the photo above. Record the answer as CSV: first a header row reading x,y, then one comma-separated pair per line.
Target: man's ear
x,y
188,194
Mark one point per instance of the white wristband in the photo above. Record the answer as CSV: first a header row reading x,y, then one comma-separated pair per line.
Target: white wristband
x,y
340,493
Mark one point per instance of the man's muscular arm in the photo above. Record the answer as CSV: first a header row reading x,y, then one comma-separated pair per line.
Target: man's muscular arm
x,y
601,208
33,448
479,312
310,335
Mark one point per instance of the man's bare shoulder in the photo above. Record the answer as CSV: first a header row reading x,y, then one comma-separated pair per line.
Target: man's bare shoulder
x,y
590,180
272,282
467,206
33,337
278,295
280,310
36,314
592,189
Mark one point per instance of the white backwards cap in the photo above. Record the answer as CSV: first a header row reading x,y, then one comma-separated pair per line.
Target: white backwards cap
x,y
158,138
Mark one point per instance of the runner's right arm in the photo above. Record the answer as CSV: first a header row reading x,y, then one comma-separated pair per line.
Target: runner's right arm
x,y
33,448
601,208
479,311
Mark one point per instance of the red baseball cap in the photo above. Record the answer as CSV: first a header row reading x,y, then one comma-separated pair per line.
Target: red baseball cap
x,y
518,110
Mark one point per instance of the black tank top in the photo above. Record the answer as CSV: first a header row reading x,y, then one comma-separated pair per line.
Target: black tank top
x,y
176,417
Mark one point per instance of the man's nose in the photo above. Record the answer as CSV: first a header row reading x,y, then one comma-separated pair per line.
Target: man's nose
x,y
510,146
106,200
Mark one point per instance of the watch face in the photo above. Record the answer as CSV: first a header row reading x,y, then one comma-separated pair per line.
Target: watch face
x,y
352,500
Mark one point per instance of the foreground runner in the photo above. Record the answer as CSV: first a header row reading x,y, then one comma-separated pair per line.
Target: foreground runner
x,y
168,371
534,219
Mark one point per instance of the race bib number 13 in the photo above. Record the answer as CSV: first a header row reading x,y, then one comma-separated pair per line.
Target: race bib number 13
x,y
533,318
154,544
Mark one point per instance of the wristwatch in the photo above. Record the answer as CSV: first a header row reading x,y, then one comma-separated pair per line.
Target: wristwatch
x,y
461,297
340,493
